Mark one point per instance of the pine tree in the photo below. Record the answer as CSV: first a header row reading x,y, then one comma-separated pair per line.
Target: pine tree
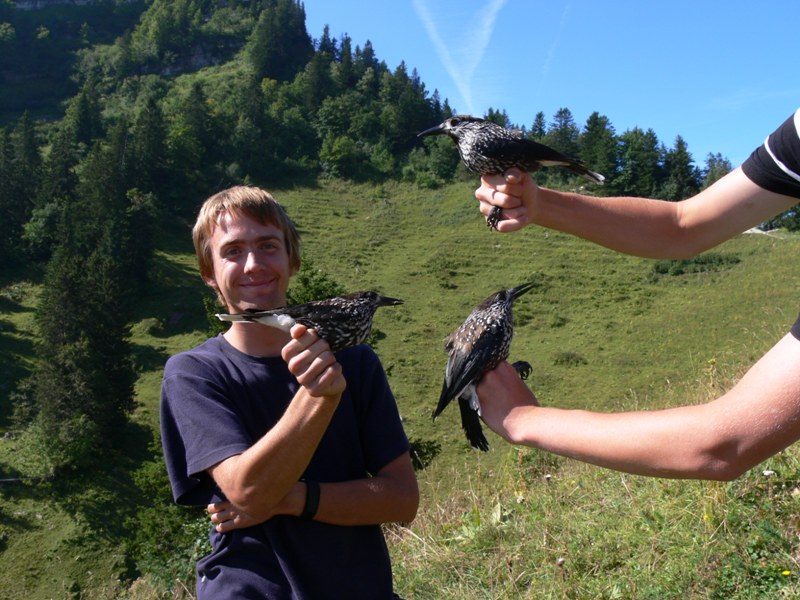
x,y
682,177
82,387
147,162
279,46
717,166
598,149
640,163
20,170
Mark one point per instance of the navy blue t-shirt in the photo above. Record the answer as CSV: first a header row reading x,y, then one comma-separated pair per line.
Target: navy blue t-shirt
x,y
215,403
775,166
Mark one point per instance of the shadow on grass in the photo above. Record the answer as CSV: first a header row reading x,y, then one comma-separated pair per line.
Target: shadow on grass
x,y
14,344
173,300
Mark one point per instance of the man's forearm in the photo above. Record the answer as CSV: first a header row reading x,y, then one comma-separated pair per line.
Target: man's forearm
x,y
391,496
262,476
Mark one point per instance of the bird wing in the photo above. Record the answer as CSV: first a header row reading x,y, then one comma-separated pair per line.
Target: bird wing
x,y
465,365
548,157
535,154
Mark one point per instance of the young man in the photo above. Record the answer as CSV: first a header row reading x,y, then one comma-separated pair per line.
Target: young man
x,y
300,452
758,417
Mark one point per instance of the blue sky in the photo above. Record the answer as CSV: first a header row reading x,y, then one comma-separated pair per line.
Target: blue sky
x,y
721,73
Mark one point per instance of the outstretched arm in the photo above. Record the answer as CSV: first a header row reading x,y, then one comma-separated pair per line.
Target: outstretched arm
x,y
720,440
637,226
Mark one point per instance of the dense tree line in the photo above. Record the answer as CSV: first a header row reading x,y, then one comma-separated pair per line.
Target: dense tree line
x,y
149,132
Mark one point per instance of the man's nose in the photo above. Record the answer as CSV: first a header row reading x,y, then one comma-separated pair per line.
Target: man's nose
x,y
252,263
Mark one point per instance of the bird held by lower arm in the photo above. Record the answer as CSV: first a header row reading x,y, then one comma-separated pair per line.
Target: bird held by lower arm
x,y
342,321
478,345
490,149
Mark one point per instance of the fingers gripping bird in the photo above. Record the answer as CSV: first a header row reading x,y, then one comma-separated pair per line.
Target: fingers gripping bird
x,y
342,321
478,345
489,149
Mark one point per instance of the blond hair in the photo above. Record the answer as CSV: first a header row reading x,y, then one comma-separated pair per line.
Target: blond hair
x,y
253,202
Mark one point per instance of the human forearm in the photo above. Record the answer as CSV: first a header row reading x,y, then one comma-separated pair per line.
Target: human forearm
x,y
369,501
659,443
719,439
638,226
391,496
262,476
257,479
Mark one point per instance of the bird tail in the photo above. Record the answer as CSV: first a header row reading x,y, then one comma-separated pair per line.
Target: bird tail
x,y
278,321
471,425
444,399
581,169
230,317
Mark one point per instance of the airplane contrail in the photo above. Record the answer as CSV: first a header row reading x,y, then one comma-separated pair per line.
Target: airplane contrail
x,y
462,68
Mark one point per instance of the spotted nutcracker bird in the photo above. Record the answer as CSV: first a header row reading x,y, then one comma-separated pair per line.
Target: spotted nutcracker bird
x,y
478,345
342,321
490,149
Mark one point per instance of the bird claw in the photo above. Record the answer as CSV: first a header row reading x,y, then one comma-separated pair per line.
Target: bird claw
x,y
494,217
523,369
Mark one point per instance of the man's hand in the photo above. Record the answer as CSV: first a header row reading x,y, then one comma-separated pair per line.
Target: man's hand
x,y
313,364
514,192
227,517
504,397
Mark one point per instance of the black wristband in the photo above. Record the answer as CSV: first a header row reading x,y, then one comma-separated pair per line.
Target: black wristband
x,y
312,500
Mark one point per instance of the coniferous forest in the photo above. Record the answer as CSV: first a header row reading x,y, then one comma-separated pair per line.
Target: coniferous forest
x,y
118,117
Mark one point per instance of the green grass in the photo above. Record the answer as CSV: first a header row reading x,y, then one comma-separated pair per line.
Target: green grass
x,y
602,331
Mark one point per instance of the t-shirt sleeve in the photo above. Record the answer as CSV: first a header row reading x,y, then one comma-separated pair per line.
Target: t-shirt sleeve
x,y
775,165
198,430
381,429
796,328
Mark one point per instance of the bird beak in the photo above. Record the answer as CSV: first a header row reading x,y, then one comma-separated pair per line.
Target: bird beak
x,y
521,289
386,301
432,131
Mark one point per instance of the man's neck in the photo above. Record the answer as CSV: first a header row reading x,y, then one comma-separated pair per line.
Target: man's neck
x,y
256,339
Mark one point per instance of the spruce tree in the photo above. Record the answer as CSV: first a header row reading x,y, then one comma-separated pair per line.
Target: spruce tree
x,y
82,387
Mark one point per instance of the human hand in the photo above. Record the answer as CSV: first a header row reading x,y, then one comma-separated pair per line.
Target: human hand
x,y
503,397
226,517
311,361
515,192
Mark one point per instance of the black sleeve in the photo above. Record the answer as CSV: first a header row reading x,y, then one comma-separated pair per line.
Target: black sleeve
x,y
775,165
796,329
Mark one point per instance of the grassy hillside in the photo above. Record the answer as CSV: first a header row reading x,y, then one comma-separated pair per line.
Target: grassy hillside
x,y
602,331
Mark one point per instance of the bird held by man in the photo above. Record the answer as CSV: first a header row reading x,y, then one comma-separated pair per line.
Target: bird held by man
x,y
342,321
490,149
478,345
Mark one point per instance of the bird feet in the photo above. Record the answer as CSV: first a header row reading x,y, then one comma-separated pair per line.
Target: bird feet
x,y
494,217
523,368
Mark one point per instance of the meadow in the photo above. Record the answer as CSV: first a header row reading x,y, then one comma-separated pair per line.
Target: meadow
x,y
603,331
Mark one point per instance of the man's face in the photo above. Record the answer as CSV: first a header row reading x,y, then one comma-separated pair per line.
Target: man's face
x,y
251,263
